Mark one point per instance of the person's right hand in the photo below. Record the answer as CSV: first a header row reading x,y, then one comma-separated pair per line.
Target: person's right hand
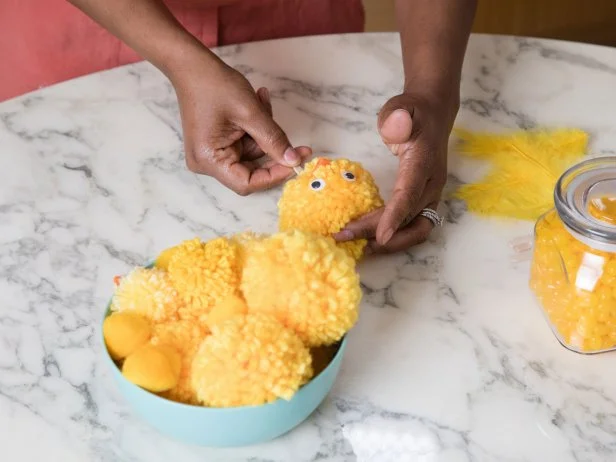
x,y
229,129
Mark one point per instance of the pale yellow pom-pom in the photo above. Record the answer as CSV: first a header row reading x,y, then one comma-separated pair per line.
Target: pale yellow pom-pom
x,y
231,306
147,292
318,292
249,360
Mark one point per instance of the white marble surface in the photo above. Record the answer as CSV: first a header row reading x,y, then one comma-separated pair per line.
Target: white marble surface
x,y
451,360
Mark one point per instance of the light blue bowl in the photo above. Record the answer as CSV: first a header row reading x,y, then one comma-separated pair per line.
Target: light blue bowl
x,y
228,427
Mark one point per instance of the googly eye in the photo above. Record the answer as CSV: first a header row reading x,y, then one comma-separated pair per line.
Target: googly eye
x,y
348,176
317,185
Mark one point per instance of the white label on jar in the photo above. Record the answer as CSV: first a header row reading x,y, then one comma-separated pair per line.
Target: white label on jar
x,y
590,272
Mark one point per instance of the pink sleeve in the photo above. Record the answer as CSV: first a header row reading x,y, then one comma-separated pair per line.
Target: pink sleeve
x,y
48,41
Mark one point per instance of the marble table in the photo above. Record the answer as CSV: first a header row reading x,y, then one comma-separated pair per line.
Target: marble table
x,y
451,359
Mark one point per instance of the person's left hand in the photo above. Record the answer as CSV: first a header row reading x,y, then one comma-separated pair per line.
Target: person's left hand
x,y
416,129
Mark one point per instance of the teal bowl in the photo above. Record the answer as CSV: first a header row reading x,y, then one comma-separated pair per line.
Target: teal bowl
x,y
228,427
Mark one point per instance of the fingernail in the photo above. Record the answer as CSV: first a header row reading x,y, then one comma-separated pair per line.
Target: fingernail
x,y
387,236
291,157
398,114
266,95
401,111
344,235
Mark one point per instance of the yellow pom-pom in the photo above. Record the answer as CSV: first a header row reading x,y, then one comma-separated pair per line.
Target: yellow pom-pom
x,y
162,261
250,360
154,368
147,292
184,337
244,240
204,274
306,282
326,196
124,333
231,306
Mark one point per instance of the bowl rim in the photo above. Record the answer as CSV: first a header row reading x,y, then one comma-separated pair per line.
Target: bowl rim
x,y
168,402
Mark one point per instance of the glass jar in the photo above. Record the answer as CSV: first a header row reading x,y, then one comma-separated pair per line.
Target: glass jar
x,y
573,271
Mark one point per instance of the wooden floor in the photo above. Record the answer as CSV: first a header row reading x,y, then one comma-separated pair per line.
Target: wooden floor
x,y
592,21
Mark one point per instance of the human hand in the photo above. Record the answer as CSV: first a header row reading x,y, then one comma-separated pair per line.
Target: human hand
x,y
229,129
416,130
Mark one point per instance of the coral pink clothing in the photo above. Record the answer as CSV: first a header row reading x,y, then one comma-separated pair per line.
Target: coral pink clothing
x,y
43,42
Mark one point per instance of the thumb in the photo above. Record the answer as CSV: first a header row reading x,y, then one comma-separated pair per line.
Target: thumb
x,y
271,138
395,123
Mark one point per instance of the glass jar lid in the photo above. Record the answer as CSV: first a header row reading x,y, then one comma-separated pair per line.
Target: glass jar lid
x,y
585,198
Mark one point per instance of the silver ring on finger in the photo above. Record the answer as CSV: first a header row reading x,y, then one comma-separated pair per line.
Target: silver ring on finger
x,y
433,216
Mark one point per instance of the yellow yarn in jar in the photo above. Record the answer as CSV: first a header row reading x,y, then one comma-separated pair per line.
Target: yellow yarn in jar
x,y
576,286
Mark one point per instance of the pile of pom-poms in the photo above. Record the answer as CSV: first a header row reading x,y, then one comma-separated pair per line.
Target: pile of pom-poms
x,y
233,321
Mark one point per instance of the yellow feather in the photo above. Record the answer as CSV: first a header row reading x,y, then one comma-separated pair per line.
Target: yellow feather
x,y
525,168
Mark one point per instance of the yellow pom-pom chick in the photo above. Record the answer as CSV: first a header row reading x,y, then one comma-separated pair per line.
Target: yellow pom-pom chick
x,y
204,273
124,333
250,360
306,282
326,196
147,292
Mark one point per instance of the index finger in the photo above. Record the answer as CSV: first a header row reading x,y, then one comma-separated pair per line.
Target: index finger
x,y
250,181
415,233
408,189
250,149
246,178
362,228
